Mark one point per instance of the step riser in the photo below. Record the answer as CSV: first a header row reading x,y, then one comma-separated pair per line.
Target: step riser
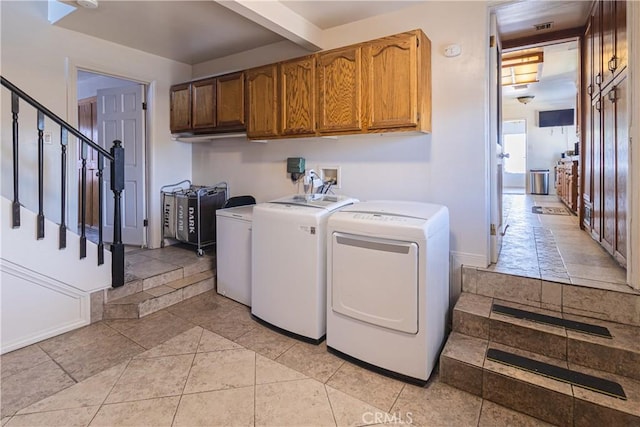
x,y
145,308
610,305
569,348
463,365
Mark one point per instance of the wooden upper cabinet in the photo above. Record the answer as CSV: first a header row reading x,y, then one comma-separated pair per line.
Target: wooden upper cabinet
x,y
261,91
398,76
203,104
298,95
620,50
180,100
230,112
339,89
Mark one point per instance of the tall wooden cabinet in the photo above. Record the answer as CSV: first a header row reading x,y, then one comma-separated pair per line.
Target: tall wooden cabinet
x,y
605,127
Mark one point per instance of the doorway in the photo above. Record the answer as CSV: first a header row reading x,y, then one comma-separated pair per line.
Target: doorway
x,y
112,108
515,161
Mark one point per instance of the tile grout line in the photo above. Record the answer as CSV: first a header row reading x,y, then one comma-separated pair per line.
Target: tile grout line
x,y
326,392
397,397
58,365
110,390
173,420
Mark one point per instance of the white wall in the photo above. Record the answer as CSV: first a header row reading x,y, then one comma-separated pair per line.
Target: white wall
x,y
42,59
448,166
544,145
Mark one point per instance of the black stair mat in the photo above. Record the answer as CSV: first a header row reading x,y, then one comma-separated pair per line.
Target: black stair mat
x,y
586,328
589,382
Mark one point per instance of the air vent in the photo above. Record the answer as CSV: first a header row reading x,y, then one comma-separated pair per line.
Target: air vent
x,y
520,87
545,26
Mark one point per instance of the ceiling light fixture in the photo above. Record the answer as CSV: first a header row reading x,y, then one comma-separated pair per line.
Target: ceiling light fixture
x,y
88,4
525,99
522,68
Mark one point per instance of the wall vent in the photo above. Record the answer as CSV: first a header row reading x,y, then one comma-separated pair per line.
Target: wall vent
x,y
545,26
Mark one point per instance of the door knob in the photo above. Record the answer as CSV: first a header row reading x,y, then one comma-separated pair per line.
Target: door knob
x,y
504,155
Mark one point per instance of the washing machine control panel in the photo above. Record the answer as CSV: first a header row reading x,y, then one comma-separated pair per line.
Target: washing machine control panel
x,y
379,217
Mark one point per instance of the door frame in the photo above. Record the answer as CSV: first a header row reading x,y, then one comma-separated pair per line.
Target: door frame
x,y
633,226
72,67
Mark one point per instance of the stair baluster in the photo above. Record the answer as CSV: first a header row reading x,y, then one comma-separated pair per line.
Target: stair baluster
x,y
83,202
15,206
115,156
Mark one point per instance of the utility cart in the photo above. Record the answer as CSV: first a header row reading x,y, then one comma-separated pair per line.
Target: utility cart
x,y
189,212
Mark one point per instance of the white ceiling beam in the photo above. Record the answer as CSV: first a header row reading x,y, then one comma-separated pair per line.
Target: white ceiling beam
x,y
278,18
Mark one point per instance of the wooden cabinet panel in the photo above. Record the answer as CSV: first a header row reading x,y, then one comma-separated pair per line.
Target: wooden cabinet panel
x,y
608,175
180,102
297,96
619,100
621,47
262,101
230,102
339,88
596,45
597,172
608,39
203,105
392,82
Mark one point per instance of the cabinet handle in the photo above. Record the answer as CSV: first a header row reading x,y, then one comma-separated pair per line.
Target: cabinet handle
x,y
590,89
612,95
598,105
613,63
598,79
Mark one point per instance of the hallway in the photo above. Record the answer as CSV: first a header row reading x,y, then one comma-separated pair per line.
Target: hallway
x,y
552,247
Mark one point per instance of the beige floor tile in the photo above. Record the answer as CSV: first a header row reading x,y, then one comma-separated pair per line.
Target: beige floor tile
x,y
31,385
437,404
90,392
236,323
312,360
220,408
368,386
591,272
19,360
293,403
493,415
151,378
153,413
266,342
151,331
221,370
185,343
268,371
213,342
203,309
63,418
349,411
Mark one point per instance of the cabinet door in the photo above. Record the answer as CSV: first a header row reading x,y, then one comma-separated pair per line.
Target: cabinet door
x,y
608,39
230,112
596,24
180,105
262,101
620,52
619,100
339,88
608,174
203,110
596,217
297,95
392,82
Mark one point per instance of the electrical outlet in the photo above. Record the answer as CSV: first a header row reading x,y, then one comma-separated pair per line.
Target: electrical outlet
x,y
331,174
47,137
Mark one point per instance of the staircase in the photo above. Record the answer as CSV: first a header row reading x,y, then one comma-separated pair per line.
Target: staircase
x,y
565,354
159,278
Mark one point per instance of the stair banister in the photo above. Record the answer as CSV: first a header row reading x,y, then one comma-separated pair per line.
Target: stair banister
x,y
115,156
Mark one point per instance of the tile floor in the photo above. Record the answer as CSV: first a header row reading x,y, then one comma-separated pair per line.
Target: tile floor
x,y
553,247
205,361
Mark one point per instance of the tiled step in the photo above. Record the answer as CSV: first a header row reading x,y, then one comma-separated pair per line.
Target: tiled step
x,y
610,302
463,364
145,302
619,354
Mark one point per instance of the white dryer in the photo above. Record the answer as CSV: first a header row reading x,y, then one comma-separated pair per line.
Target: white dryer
x,y
288,276
388,285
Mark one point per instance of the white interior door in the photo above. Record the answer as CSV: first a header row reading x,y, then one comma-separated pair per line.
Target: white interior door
x,y
121,116
495,143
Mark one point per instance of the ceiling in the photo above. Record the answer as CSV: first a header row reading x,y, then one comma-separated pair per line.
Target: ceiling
x,y
197,31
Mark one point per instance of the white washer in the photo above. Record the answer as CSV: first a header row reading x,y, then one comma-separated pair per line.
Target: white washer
x,y
288,277
388,285
233,253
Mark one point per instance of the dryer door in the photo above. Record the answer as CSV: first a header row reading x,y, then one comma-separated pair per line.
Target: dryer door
x,y
375,280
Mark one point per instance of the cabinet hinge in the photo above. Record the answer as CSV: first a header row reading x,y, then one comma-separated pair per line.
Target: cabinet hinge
x,y
145,222
418,116
144,105
417,42
493,229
